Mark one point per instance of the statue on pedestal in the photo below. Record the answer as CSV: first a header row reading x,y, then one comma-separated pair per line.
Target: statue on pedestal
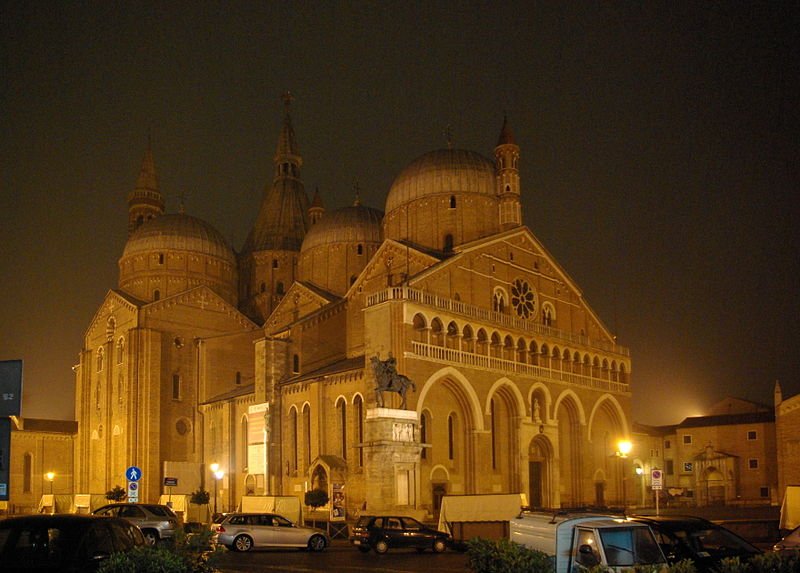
x,y
388,379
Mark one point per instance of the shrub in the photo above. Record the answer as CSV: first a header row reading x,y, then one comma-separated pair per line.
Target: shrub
x,y
316,498
186,554
776,562
732,565
199,497
683,566
116,494
505,556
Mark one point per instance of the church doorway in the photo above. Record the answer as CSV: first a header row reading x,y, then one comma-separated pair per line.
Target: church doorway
x,y
540,469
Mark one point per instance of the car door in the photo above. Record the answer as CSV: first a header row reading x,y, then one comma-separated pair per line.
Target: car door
x,y
393,530
286,534
413,533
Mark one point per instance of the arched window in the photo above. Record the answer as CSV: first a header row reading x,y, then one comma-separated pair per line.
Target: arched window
x,y
494,433
468,339
496,347
499,300
420,328
451,437
237,378
482,343
120,350
279,288
307,434
452,201
452,335
243,462
548,314
295,446
100,355
176,386
360,249
296,364
341,410
424,423
522,351
156,294
274,263
263,287
358,413
160,258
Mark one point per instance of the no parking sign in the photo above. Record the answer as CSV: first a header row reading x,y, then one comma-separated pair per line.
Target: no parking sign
x,y
656,479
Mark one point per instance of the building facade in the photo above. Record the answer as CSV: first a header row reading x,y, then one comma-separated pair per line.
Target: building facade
x,y
263,361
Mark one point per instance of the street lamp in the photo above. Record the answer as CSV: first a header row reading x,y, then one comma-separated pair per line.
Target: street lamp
x,y
624,447
218,474
50,477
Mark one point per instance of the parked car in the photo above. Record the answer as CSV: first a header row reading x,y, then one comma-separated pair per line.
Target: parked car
x,y
65,543
246,531
383,532
157,522
702,541
790,542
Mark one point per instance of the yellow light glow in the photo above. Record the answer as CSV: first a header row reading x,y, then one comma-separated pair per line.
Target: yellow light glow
x,y
50,476
219,474
624,447
214,468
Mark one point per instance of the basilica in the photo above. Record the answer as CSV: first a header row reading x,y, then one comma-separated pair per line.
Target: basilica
x,y
265,359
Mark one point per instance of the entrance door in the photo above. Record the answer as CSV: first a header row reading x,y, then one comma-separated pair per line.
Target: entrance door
x,y
535,483
599,493
439,490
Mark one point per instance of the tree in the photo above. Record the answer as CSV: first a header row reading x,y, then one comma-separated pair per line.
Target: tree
x,y
316,498
116,494
200,497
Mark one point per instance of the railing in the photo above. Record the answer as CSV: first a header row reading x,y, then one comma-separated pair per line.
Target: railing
x,y
461,358
512,322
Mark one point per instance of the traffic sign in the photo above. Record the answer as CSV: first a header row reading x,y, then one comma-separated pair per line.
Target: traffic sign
x,y
133,492
656,479
133,473
170,482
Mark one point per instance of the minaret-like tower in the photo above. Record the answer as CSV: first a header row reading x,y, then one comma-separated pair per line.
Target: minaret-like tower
x,y
145,201
317,210
268,260
506,156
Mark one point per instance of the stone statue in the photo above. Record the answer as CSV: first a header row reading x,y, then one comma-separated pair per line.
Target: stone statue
x,y
387,379
536,411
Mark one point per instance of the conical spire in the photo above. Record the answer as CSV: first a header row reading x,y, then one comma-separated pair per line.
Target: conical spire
x,y
506,135
287,156
145,201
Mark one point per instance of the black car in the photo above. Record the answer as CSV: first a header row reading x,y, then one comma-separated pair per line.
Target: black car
x,y
704,542
64,543
382,532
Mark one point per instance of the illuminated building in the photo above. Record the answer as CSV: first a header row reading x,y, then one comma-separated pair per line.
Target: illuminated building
x,y
259,361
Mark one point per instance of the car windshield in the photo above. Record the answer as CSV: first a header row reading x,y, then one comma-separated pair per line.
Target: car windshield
x,y
626,546
715,542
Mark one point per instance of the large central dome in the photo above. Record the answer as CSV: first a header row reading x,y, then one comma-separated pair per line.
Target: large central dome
x,y
442,171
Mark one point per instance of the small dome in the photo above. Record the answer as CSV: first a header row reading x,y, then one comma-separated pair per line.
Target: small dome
x,y
179,232
445,171
354,224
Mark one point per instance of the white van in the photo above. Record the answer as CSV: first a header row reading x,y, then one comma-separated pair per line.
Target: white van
x,y
579,541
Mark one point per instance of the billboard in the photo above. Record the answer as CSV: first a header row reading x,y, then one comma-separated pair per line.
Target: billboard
x,y
10,388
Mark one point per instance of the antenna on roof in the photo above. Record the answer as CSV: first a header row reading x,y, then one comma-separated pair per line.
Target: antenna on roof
x,y
448,135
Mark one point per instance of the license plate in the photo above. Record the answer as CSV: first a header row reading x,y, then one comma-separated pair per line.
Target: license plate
x,y
356,542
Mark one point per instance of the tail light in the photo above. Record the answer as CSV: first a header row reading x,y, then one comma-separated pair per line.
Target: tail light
x,y
220,529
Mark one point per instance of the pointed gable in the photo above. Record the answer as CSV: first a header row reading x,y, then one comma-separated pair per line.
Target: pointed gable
x,y
300,300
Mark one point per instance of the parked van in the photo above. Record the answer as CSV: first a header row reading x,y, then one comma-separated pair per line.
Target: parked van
x,y
577,541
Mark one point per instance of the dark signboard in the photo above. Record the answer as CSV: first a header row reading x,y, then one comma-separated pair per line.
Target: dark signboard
x,y
10,388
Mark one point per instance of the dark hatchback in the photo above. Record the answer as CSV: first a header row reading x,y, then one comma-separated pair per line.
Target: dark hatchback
x,y
704,542
63,542
380,533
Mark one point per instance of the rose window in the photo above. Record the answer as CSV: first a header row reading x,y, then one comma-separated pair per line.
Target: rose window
x,y
522,298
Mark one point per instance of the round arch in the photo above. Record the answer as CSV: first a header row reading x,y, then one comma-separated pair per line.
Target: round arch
x,y
518,397
616,408
463,385
578,405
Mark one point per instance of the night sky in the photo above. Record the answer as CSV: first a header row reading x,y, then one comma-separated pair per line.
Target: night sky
x,y
659,156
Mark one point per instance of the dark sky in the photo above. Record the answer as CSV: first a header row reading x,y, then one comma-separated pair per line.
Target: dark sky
x,y
659,155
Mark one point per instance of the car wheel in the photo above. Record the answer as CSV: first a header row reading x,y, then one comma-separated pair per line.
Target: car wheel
x,y
381,546
150,536
364,548
316,543
242,543
439,546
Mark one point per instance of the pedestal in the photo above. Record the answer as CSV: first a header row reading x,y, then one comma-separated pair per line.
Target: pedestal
x,y
391,460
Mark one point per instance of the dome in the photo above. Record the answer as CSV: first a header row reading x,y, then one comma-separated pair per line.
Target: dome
x,y
179,232
445,171
354,224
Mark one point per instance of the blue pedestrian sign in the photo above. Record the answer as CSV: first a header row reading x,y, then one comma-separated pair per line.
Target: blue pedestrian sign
x,y
133,473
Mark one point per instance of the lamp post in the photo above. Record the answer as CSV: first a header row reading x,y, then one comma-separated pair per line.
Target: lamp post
x,y
624,447
640,472
50,477
218,474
